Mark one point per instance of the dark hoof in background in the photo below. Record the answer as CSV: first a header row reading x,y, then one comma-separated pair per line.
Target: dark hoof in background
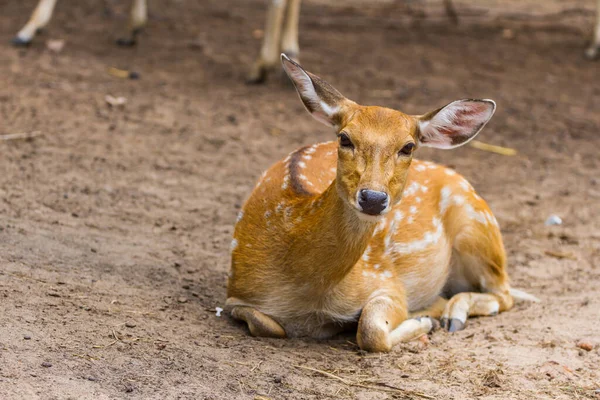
x,y
126,42
18,42
452,325
258,76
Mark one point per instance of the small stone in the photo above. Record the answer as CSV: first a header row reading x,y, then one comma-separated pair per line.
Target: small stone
x,y
186,286
553,220
277,379
26,337
128,388
587,346
92,378
182,300
46,364
130,324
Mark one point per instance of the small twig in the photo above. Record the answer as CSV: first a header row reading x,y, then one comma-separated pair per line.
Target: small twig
x,y
378,386
256,366
505,151
23,135
560,254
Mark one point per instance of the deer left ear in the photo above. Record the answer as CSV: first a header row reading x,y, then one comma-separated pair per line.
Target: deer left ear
x,y
321,99
455,124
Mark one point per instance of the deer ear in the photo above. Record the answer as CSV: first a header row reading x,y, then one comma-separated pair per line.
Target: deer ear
x,y
455,124
321,99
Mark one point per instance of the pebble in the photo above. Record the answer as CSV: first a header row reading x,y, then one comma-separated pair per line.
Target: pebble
x,y
26,337
182,300
130,324
46,364
587,346
553,220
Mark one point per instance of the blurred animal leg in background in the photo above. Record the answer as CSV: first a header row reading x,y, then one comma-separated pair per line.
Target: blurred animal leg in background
x,y
451,11
269,53
138,19
40,18
289,38
594,49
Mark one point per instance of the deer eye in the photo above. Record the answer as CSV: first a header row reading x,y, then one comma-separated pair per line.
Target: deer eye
x,y
407,149
345,141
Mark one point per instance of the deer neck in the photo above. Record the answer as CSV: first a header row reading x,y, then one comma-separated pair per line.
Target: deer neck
x,y
331,241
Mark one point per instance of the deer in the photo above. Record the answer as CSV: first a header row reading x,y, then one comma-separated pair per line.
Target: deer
x,y
357,233
43,13
281,36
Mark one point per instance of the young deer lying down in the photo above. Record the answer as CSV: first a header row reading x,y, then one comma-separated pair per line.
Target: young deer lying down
x,y
357,231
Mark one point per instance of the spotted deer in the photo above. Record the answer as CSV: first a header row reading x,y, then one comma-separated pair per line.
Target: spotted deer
x,y
43,13
356,231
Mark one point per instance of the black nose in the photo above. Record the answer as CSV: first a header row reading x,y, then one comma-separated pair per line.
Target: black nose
x,y
372,202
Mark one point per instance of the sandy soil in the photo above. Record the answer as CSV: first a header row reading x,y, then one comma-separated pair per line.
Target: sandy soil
x,y
115,223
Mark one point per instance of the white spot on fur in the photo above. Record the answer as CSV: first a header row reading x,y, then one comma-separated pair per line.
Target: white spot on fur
x,y
398,215
376,266
286,181
239,216
476,215
385,275
413,209
307,157
410,220
267,214
418,200
420,168
445,199
450,172
365,256
458,200
311,149
279,207
429,239
411,189
302,164
465,185
234,245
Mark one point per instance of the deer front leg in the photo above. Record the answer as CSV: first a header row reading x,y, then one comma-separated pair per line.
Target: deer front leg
x,y
40,17
383,324
594,49
259,324
137,21
269,53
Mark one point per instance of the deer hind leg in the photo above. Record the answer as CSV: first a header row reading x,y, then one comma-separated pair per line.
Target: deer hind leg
x,y
451,11
269,53
289,37
259,324
478,283
383,324
40,18
594,50
137,21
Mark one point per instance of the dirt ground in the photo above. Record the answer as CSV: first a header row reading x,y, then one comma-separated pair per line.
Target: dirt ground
x,y
115,223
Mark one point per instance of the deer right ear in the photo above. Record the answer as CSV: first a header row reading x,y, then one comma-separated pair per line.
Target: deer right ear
x,y
321,99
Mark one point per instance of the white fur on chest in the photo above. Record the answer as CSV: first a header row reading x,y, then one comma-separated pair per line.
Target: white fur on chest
x,y
425,281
